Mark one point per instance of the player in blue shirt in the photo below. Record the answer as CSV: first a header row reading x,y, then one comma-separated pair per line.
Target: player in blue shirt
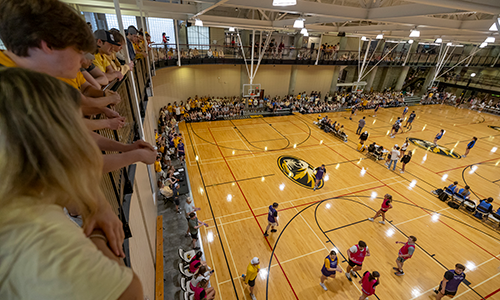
x,y
272,218
438,136
469,146
330,267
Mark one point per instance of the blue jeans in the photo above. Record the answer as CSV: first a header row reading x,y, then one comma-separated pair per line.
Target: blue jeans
x,y
390,163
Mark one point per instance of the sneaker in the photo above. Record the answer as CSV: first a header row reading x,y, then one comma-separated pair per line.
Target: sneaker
x,y
463,156
187,235
388,167
323,286
243,276
253,297
354,274
348,276
382,222
370,219
402,172
266,234
314,189
436,291
399,273
274,230
394,268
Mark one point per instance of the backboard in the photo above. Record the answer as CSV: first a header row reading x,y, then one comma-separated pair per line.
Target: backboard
x,y
251,90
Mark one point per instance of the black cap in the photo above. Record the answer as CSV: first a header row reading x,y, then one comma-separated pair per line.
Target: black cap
x,y
105,36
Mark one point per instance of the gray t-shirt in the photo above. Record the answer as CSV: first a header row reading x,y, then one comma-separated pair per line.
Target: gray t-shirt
x,y
188,208
362,123
192,224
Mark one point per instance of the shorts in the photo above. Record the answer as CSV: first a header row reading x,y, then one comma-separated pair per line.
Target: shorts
x,y
194,236
447,293
410,121
401,259
468,148
384,210
327,273
273,224
353,264
251,283
176,200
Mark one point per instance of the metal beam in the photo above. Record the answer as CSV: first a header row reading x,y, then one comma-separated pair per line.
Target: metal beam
x,y
210,7
463,5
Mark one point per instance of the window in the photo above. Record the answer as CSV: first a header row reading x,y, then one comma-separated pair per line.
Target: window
x,y
197,36
112,21
90,17
157,26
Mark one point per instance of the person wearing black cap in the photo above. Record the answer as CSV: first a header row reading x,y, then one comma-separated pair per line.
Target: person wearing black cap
x,y
105,42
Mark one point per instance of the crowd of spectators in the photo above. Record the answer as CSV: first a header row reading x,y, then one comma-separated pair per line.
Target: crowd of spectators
x,y
52,108
170,146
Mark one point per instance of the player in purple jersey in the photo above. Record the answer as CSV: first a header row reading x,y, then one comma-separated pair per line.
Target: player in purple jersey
x,y
272,218
451,281
320,173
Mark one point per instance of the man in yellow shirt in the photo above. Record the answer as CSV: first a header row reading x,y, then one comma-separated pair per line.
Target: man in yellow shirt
x,y
252,271
105,42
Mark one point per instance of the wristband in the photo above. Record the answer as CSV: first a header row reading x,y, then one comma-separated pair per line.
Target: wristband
x,y
99,236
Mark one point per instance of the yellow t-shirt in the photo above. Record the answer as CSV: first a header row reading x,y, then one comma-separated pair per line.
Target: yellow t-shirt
x,y
251,272
41,244
75,82
176,141
6,61
157,166
170,108
101,62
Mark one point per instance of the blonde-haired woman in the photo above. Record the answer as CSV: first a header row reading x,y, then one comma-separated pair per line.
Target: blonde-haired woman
x,y
48,161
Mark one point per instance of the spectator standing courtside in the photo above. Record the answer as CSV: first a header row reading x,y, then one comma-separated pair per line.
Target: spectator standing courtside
x,y
188,209
405,159
361,124
394,157
194,224
253,269
272,218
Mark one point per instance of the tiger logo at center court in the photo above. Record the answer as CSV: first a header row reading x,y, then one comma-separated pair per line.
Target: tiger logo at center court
x,y
435,149
299,171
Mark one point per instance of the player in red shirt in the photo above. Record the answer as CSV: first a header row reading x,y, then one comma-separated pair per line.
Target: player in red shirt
x,y
386,205
368,284
356,254
405,253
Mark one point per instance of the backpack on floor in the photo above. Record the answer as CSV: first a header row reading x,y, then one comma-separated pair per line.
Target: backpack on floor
x,y
453,205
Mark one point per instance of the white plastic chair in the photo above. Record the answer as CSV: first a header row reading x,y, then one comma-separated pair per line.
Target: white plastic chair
x,y
186,255
185,272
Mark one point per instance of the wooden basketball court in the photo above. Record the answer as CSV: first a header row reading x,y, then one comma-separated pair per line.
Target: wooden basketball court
x,y
235,175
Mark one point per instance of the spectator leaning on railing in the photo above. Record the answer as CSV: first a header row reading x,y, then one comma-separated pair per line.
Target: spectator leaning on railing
x,y
48,161
54,45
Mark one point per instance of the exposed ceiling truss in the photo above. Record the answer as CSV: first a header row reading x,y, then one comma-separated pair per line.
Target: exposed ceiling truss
x,y
452,20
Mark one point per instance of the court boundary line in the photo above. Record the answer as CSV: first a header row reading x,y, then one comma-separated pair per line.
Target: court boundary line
x,y
248,204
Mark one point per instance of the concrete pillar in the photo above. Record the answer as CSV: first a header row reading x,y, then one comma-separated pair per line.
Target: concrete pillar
x,y
343,43
428,80
335,79
383,78
369,79
401,78
293,80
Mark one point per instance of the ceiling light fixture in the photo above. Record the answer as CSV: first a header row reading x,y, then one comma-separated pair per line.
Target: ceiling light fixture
x,y
438,40
284,2
303,31
380,36
415,33
483,45
299,23
198,22
231,29
494,26
490,39
410,42
449,44
363,38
